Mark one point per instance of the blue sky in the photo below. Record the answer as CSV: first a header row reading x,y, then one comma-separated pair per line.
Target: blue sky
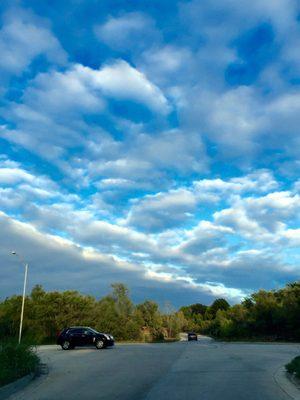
x,y
153,143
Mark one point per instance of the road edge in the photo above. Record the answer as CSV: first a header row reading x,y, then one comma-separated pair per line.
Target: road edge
x,y
13,387
287,385
21,383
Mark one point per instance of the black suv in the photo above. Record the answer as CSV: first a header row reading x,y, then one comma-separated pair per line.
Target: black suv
x,y
192,336
68,338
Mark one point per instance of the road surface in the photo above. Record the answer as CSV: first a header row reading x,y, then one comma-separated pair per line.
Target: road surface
x,y
203,370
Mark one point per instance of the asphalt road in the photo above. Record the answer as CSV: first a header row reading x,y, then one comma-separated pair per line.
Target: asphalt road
x,y
203,370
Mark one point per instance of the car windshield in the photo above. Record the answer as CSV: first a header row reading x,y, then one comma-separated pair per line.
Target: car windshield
x,y
93,330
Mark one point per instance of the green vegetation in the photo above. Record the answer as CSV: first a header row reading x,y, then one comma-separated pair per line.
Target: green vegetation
x,y
293,367
265,315
46,313
16,361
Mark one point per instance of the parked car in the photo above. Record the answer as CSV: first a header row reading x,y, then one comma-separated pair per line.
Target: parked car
x,y
74,336
192,336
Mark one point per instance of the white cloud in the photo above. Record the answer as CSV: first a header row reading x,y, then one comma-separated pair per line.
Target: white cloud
x,y
81,89
203,237
274,210
162,210
218,290
147,159
55,93
24,37
11,173
20,187
120,32
283,108
167,59
238,15
123,168
168,65
111,237
292,236
122,81
176,207
261,218
237,219
83,226
255,182
233,119
242,121
187,145
14,175
10,199
58,102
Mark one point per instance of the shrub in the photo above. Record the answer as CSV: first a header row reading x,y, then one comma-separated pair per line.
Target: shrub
x,y
16,361
293,367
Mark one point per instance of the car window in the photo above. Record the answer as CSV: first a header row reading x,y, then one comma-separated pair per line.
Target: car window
x,y
77,331
93,330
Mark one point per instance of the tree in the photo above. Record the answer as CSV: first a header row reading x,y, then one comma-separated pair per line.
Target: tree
x,y
194,309
194,315
218,304
123,303
151,319
117,313
174,322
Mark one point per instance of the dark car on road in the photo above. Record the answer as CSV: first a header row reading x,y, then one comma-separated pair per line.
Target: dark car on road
x,y
192,336
74,336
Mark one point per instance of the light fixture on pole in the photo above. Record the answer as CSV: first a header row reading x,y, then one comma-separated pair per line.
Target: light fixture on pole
x,y
24,292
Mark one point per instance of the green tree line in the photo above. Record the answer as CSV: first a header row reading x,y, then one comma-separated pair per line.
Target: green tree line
x,y
270,315
46,313
273,315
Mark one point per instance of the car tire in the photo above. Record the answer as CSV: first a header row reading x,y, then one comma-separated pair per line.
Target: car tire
x,y
66,345
99,344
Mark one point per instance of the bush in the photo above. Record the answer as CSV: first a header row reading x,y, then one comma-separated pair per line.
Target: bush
x,y
16,361
293,367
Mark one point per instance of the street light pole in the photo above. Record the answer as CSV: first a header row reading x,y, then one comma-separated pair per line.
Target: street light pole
x,y
24,293
23,302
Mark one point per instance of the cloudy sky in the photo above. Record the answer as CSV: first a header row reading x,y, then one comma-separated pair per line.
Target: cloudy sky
x,y
154,143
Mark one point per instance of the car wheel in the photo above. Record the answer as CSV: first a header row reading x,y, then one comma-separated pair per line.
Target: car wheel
x,y
66,345
99,344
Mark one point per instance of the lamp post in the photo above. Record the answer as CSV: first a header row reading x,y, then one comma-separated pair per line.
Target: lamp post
x,y
24,292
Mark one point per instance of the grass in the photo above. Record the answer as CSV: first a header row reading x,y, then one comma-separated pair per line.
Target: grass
x,y
16,361
293,367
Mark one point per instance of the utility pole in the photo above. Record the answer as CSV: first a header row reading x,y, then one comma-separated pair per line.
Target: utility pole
x,y
24,294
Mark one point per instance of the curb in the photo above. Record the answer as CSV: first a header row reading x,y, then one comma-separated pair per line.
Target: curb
x,y
287,384
15,386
